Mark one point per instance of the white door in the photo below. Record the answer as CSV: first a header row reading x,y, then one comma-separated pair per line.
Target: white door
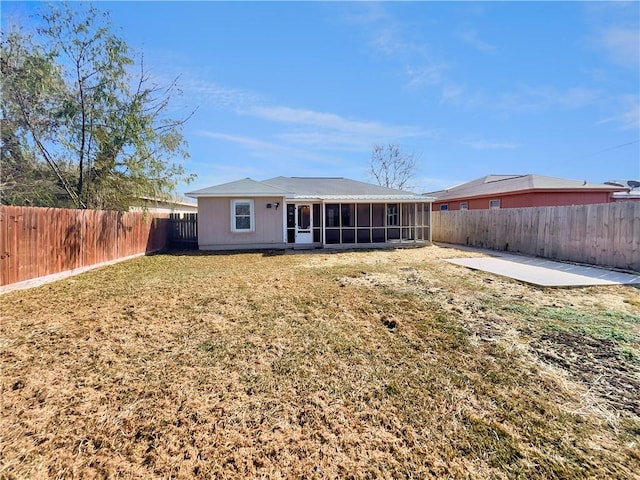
x,y
304,223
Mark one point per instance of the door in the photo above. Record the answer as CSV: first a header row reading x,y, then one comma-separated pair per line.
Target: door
x,y
304,222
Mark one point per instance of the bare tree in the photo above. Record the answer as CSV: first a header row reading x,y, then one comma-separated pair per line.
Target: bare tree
x,y
391,167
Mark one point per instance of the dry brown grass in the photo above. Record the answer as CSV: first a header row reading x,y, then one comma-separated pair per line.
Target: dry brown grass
x,y
381,364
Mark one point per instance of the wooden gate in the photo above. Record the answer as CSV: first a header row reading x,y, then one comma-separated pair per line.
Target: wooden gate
x,y
183,230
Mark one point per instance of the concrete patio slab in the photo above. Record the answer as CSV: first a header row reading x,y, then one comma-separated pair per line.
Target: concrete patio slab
x,y
546,273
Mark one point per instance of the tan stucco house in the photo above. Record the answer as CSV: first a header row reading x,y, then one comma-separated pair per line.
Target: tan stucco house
x,y
301,212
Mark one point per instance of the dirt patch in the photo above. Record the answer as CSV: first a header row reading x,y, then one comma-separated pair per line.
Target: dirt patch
x,y
596,363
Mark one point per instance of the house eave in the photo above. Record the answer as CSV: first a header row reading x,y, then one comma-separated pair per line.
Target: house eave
x,y
321,198
363,198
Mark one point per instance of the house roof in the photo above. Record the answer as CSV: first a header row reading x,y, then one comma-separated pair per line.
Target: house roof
x,y
328,186
322,188
245,187
170,200
506,184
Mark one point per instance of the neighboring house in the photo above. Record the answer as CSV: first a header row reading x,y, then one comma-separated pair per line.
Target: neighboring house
x,y
632,193
175,205
295,212
514,191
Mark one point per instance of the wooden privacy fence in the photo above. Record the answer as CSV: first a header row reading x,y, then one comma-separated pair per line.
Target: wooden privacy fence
x,y
605,234
183,230
36,242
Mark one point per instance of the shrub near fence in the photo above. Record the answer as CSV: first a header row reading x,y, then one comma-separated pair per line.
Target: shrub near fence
x,y
606,234
37,242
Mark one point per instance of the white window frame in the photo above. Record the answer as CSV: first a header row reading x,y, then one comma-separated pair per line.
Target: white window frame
x,y
252,215
464,206
494,204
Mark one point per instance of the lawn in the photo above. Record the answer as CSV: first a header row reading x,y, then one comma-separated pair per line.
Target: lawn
x,y
363,364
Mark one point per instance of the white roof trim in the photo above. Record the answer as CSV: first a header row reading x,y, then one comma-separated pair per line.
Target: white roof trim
x,y
319,198
366,198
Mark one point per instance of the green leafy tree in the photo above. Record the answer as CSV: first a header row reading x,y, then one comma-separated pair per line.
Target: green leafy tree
x,y
101,129
30,82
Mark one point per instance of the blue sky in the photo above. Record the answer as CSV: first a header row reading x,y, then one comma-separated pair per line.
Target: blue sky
x,y
471,88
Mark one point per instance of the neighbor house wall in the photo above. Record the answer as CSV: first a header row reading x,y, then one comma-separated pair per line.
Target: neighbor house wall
x,y
214,224
530,199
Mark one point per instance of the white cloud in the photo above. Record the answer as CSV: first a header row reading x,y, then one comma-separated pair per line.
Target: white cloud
x,y
525,99
622,45
328,141
470,36
483,144
385,41
545,97
615,30
197,91
316,136
213,94
365,12
631,118
388,37
305,130
244,141
334,131
628,116
382,32
431,74
451,92
578,97
284,153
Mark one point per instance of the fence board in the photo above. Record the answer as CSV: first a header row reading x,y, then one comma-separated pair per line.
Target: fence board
x,y
603,234
10,258
183,230
36,242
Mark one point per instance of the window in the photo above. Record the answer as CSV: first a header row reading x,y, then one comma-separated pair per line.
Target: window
x,y
464,206
392,214
377,214
444,207
317,223
316,215
332,213
494,204
291,215
348,214
364,214
242,217
304,217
